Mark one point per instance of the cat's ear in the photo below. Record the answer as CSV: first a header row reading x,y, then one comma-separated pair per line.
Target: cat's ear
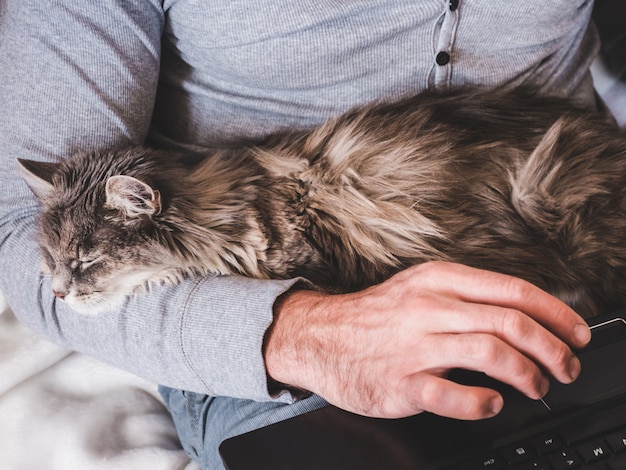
x,y
38,176
133,197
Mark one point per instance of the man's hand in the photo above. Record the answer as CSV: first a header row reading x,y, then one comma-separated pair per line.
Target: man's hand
x,y
385,351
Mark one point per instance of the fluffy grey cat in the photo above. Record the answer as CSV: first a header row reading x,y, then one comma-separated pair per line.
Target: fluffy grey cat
x,y
508,182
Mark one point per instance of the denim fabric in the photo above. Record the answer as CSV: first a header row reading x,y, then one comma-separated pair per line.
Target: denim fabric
x,y
203,422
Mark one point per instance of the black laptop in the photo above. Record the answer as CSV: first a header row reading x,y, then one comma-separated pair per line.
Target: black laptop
x,y
582,425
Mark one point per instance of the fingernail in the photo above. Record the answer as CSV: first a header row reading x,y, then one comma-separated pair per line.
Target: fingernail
x,y
582,333
574,368
495,405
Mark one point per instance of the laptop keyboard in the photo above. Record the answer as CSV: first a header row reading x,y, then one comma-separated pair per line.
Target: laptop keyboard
x,y
596,442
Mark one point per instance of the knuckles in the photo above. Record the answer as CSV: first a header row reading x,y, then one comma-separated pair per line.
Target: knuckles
x,y
515,289
515,325
481,348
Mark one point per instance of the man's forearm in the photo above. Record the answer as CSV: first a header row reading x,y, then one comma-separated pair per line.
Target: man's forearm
x,y
77,76
385,351
194,336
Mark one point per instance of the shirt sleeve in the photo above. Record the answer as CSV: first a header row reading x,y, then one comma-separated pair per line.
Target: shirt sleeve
x,y
80,75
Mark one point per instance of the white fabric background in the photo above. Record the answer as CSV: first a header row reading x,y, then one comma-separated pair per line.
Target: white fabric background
x,y
66,411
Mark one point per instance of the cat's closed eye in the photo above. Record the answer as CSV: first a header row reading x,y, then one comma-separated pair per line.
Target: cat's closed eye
x,y
84,263
87,263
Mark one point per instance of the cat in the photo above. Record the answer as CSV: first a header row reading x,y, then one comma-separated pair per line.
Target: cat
x,y
511,182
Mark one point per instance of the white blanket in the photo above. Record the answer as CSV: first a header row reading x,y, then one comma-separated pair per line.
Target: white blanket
x,y
65,411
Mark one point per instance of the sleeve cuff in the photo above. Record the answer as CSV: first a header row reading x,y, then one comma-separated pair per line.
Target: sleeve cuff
x,y
223,325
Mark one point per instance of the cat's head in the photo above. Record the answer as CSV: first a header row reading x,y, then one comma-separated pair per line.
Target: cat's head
x,y
97,233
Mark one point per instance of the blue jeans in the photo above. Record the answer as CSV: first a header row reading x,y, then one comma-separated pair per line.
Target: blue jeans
x,y
203,422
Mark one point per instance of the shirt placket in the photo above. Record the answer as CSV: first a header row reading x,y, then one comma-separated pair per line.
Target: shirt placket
x,y
444,37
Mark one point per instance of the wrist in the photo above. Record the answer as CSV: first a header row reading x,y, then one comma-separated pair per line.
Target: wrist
x,y
290,345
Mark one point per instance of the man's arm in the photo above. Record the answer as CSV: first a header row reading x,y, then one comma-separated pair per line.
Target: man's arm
x,y
384,352
78,75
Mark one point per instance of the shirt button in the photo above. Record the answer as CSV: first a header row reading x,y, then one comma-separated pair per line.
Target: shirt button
x,y
443,58
454,4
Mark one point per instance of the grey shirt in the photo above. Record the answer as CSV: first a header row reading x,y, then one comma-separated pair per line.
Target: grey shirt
x,y
82,75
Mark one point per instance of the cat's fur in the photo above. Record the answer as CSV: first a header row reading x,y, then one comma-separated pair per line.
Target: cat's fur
x,y
524,186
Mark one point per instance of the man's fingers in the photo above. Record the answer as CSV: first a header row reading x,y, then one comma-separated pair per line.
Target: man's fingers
x,y
539,344
533,322
488,354
445,398
489,288
513,327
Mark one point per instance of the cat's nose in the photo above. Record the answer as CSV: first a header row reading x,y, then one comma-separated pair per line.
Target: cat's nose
x,y
59,295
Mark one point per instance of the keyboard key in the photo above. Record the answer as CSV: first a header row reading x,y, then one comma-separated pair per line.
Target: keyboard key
x,y
533,464
617,462
518,453
617,441
564,460
547,443
593,451
597,466
487,462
